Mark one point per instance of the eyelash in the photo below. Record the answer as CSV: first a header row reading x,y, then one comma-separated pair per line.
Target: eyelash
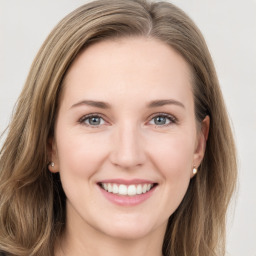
x,y
84,118
171,118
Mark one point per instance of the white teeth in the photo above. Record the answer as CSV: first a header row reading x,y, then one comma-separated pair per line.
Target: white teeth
x,y
110,188
122,190
144,188
139,189
130,190
115,189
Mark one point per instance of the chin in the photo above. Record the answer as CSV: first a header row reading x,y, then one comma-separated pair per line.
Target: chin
x,y
129,229
128,234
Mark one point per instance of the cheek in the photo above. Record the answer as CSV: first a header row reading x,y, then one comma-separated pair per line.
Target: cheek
x,y
173,153
79,154
173,157
80,158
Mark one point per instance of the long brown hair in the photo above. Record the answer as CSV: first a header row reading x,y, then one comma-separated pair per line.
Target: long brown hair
x,y
32,202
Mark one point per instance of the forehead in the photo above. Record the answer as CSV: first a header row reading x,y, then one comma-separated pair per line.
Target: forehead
x,y
131,67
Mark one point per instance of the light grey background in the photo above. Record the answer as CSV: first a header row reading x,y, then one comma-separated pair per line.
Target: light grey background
x,y
229,27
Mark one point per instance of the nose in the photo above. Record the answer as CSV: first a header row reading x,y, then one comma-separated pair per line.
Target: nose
x,y
127,148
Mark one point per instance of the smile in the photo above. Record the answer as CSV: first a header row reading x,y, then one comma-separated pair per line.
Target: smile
x,y
124,190
127,192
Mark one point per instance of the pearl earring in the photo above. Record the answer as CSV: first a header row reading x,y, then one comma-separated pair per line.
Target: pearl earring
x,y
194,171
52,164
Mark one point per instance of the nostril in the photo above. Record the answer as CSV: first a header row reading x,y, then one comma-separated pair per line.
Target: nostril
x,y
128,150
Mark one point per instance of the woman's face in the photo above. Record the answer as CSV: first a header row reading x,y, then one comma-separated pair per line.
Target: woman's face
x,y
125,137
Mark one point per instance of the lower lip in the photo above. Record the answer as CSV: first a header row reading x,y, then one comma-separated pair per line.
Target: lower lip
x,y
127,200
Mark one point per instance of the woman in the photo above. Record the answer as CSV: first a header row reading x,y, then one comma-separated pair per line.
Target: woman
x,y
120,143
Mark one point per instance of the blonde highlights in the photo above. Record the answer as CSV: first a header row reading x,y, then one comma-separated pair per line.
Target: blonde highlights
x,y
32,202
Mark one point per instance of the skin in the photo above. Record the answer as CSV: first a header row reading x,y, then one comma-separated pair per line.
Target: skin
x,y
128,74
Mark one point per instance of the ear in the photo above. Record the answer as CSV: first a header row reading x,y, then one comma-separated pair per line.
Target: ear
x,y
52,156
201,142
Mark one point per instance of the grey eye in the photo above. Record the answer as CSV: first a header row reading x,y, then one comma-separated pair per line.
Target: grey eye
x,y
160,120
94,120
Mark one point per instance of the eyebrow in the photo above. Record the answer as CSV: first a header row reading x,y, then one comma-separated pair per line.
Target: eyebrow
x,y
104,105
97,104
160,103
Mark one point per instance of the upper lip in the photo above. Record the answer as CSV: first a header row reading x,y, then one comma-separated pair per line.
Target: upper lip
x,y
127,182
